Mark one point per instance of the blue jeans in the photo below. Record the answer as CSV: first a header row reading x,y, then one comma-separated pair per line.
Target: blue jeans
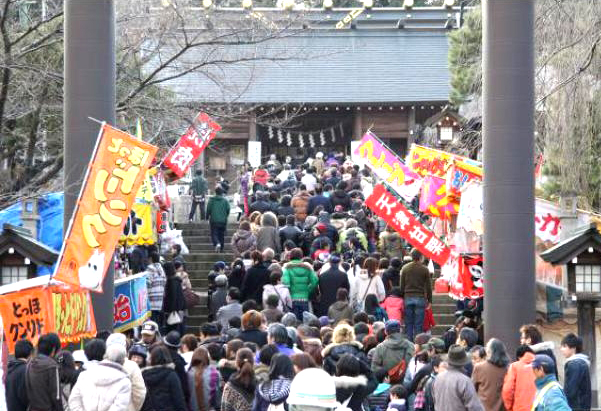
x,y
415,308
298,307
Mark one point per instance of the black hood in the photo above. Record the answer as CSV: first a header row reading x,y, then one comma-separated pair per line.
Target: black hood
x,y
157,375
14,364
339,193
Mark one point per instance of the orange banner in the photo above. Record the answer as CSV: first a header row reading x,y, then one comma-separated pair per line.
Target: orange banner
x,y
26,314
117,170
39,310
428,161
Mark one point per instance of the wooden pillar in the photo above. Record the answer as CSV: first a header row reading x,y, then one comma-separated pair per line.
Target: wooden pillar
x,y
587,331
411,122
357,125
252,126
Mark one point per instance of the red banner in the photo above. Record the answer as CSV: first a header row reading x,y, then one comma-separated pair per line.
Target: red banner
x,y
191,144
386,206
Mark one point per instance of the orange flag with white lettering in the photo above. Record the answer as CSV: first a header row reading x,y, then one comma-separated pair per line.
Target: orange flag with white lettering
x,y
117,170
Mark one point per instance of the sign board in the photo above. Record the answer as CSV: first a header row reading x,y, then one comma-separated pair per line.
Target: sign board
x,y
386,206
117,170
254,153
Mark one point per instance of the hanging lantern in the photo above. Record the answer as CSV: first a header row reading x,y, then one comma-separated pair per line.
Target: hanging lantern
x,y
341,129
270,132
280,136
301,142
333,134
289,139
311,140
322,138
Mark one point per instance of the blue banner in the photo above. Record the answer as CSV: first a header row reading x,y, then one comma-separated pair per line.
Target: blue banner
x,y
130,301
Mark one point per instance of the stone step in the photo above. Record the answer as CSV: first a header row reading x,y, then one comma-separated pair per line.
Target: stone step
x,y
198,238
442,299
199,283
443,319
208,256
197,248
204,266
444,308
439,330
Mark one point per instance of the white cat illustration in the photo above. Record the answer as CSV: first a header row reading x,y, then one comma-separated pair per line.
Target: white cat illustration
x,y
90,274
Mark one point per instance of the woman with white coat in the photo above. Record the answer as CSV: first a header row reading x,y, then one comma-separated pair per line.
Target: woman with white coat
x,y
367,282
105,387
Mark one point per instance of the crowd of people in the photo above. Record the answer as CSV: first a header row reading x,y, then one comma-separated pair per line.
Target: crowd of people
x,y
323,309
256,364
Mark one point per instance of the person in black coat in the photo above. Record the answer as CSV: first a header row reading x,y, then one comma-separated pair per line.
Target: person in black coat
x,y
16,391
354,381
237,274
329,283
164,390
174,300
344,342
251,328
285,208
340,197
319,200
577,384
261,205
256,277
290,232
173,342
392,276
331,231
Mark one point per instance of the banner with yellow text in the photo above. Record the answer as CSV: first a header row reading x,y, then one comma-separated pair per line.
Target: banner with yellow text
x,y
117,169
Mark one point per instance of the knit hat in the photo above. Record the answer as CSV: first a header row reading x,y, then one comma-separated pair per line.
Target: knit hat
x,y
173,339
313,388
138,349
275,268
321,227
324,321
392,326
334,258
117,339
219,265
80,356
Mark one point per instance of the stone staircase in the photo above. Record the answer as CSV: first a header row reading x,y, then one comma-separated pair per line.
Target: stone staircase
x,y
444,308
199,263
202,257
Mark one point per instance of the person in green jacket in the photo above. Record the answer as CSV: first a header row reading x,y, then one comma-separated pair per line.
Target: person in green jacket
x,y
198,191
300,278
218,211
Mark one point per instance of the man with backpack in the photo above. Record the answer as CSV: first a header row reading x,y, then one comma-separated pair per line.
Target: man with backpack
x,y
392,356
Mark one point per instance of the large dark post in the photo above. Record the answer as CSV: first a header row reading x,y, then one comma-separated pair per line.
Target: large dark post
x,y
89,92
587,330
508,140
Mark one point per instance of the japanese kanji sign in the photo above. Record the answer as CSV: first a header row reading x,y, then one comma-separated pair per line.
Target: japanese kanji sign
x,y
139,228
130,302
117,169
26,314
424,161
196,138
35,311
73,314
458,175
388,166
386,206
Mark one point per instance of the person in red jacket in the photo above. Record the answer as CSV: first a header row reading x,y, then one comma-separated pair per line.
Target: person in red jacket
x,y
394,305
260,178
518,387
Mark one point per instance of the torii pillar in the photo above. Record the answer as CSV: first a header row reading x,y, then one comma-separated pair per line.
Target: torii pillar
x,y
508,142
90,83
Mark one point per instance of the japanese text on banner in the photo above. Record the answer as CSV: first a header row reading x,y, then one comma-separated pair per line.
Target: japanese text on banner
x,y
386,206
196,138
424,161
388,166
25,315
117,170
130,303
73,314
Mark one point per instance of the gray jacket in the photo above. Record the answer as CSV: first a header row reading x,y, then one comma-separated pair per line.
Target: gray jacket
x,y
233,309
454,391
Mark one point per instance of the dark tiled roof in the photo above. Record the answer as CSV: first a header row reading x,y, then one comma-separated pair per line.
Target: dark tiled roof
x,y
372,65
